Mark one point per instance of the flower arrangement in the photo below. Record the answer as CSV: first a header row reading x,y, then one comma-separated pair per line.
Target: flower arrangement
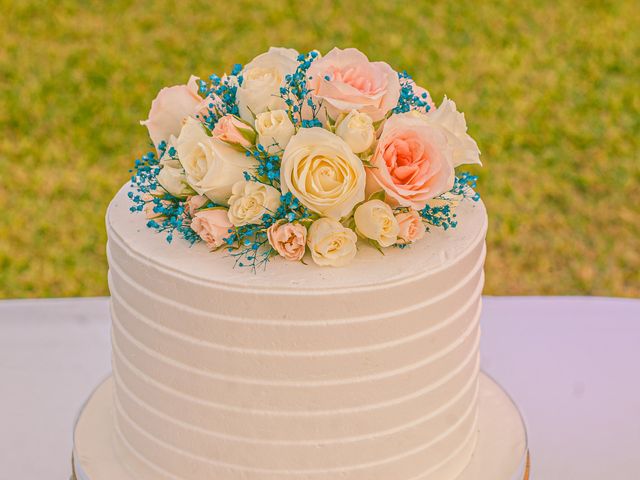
x,y
297,153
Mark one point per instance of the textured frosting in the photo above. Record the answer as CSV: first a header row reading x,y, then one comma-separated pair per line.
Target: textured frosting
x,y
367,372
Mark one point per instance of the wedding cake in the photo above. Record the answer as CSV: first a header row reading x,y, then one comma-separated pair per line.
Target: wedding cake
x,y
319,319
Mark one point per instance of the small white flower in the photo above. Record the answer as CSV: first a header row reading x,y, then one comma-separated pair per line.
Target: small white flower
x,y
274,130
249,201
331,243
357,130
375,220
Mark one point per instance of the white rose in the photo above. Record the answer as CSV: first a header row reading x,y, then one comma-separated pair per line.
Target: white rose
x,y
262,78
375,220
250,200
211,166
169,109
357,130
465,148
331,243
173,179
321,171
274,130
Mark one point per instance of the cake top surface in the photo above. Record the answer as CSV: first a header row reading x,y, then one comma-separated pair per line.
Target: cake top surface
x,y
436,250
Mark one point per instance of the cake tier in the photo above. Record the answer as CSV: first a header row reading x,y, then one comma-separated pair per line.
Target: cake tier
x,y
367,372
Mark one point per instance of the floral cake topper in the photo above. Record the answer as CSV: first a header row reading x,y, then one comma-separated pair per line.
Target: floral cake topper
x,y
297,153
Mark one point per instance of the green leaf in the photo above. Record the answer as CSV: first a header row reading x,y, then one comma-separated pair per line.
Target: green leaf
x,y
366,161
368,164
379,195
375,245
376,125
350,222
306,222
217,207
249,134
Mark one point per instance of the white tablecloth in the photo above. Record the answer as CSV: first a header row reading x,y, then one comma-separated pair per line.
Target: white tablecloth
x,y
572,364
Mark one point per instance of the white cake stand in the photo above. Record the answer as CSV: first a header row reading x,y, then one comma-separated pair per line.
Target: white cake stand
x,y
501,452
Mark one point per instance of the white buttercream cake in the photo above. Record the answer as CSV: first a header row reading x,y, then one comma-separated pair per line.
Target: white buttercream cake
x,y
368,372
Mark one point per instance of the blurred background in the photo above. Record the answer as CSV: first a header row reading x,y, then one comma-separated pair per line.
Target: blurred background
x,y
550,90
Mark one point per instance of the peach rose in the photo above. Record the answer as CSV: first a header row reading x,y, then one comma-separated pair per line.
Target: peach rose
x,y
194,203
411,228
346,80
150,205
232,130
212,225
169,109
413,161
288,239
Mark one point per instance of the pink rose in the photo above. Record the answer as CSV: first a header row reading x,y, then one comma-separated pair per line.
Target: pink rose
x,y
411,227
413,161
170,108
149,206
231,129
193,203
346,80
212,225
288,239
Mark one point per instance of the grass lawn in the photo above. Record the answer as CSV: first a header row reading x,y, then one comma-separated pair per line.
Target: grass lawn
x,y
550,90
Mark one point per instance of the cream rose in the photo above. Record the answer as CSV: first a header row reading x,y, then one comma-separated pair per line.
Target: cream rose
x,y
411,228
173,179
288,239
250,200
211,166
262,78
321,171
375,220
453,123
357,130
331,243
169,109
274,130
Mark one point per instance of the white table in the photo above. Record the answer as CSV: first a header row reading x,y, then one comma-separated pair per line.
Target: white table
x,y
572,364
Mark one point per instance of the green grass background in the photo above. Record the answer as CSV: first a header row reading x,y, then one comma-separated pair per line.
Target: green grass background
x,y
550,90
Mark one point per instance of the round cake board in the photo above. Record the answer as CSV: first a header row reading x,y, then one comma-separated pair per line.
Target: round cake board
x,y
500,454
